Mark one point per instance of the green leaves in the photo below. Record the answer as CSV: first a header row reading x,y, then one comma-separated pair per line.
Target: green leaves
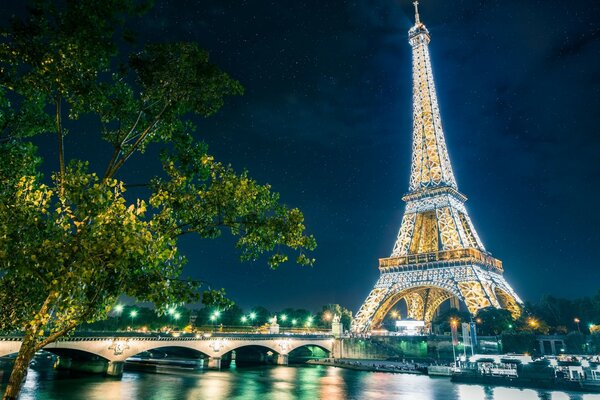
x,y
72,243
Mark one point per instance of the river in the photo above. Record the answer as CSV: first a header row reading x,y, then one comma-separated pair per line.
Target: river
x,y
269,382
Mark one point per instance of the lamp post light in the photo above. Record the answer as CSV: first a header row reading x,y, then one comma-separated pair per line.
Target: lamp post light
x,y
133,314
576,320
454,324
294,322
309,322
176,316
215,315
118,311
252,317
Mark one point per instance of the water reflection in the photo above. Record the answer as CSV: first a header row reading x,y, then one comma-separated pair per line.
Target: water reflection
x,y
270,383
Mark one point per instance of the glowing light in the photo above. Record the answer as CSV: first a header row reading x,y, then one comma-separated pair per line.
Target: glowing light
x,y
119,308
294,322
252,315
327,316
133,314
176,316
283,317
244,319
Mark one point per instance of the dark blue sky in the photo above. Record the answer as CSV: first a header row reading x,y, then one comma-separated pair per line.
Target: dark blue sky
x,y
326,120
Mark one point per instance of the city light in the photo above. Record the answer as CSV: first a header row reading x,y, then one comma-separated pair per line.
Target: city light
x,y
176,316
395,314
252,316
533,322
119,308
217,313
327,316
294,322
244,319
283,317
133,314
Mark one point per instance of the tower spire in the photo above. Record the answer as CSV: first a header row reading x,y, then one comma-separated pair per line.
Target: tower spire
x,y
417,19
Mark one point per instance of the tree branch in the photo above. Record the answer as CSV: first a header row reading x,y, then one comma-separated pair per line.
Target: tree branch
x,y
61,146
137,143
119,147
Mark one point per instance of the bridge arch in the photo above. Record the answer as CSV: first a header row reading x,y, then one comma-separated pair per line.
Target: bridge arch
x,y
162,347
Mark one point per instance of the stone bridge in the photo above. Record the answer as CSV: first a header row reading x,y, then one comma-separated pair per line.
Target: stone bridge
x,y
116,349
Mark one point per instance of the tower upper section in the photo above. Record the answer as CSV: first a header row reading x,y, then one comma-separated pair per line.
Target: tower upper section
x,y
430,161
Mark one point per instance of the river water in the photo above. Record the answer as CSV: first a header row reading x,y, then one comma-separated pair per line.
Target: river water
x,y
269,382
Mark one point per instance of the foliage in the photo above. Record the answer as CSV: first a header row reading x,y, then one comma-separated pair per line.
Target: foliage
x,y
560,314
442,321
72,242
493,321
575,343
519,342
325,316
595,342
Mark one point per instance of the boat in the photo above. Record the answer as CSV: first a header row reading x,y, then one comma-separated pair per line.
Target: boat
x,y
521,371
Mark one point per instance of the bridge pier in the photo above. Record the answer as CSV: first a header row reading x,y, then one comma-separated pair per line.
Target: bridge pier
x,y
115,368
214,362
90,366
282,359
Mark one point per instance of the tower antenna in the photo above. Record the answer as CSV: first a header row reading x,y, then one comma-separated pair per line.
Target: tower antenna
x,y
417,19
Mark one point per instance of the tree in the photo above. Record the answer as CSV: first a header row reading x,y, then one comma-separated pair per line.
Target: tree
x,y
493,321
575,343
519,342
73,241
442,321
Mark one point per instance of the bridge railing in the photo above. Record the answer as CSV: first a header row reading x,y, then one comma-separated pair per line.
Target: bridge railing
x,y
183,337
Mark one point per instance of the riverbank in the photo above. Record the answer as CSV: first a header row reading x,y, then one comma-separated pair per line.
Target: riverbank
x,y
373,365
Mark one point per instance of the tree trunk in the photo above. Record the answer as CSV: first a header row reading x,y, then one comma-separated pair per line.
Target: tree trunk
x,y
19,371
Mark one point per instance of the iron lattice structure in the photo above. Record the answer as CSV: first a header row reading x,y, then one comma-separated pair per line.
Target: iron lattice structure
x,y
438,255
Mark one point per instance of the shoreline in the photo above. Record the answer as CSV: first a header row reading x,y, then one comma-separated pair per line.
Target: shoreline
x,y
371,365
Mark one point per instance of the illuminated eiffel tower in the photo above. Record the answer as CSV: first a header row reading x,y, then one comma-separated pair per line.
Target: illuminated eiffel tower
x,y
438,255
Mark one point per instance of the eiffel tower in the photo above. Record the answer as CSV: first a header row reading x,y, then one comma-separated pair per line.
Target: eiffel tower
x,y
438,255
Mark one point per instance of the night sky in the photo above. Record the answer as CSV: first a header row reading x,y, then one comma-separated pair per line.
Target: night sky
x,y
327,121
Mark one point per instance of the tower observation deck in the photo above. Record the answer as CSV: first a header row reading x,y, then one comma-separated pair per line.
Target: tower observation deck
x,y
438,255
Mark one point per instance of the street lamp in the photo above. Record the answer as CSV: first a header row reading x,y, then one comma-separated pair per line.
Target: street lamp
x,y
244,319
133,314
309,322
119,311
294,322
283,317
252,317
454,324
577,322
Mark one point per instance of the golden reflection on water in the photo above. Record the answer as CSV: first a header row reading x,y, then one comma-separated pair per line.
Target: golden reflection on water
x,y
272,383
332,385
